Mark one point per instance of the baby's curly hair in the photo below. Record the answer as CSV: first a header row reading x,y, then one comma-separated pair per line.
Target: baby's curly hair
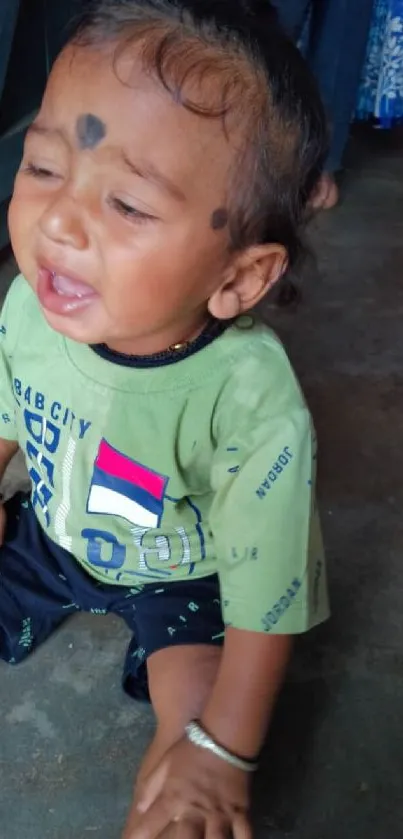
x,y
230,60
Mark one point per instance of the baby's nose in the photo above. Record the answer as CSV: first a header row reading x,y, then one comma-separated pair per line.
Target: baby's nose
x,y
63,223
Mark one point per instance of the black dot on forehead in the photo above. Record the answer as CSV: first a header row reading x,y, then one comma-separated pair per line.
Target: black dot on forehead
x,y
219,218
90,131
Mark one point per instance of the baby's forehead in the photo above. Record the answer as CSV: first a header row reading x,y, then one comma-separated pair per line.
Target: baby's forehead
x,y
91,79
102,106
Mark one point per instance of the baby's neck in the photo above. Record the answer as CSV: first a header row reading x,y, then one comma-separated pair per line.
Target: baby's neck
x,y
158,343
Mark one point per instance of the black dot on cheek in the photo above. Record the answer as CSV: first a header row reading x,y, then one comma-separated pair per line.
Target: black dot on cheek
x,y
219,219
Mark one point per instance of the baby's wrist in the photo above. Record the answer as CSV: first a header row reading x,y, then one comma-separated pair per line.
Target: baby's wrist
x,y
199,736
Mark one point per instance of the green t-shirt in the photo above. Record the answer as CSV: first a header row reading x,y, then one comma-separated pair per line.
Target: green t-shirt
x,y
167,473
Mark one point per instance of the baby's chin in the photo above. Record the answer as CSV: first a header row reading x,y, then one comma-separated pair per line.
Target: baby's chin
x,y
82,332
74,328
72,331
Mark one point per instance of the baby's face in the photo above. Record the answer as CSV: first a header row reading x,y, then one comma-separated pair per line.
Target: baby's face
x,y
114,215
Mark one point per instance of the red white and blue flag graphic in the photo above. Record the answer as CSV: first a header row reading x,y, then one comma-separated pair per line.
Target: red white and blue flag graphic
x,y
122,487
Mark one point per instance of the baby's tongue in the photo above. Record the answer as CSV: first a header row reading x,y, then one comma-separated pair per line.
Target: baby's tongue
x,y
71,288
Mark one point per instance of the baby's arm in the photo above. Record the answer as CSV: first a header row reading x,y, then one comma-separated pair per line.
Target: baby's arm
x,y
233,693
10,326
250,676
8,448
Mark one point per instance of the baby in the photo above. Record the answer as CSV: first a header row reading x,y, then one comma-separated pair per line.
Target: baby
x,y
169,447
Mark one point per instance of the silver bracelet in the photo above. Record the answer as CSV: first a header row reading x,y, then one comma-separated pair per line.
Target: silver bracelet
x,y
199,737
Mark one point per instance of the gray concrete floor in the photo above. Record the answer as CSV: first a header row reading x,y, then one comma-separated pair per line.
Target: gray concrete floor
x,y
70,741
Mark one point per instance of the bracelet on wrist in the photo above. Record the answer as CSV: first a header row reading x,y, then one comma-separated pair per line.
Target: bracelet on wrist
x,y
197,735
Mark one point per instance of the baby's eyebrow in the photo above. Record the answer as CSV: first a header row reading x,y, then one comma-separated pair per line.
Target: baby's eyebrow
x,y
90,130
149,172
44,131
146,170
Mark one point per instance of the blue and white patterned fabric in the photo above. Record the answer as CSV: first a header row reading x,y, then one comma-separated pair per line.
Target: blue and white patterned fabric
x,y
381,91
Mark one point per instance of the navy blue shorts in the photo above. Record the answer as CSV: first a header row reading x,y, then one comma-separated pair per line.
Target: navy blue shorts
x,y
41,585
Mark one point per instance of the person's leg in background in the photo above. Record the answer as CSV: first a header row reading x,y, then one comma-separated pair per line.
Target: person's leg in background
x,y
292,15
302,21
335,52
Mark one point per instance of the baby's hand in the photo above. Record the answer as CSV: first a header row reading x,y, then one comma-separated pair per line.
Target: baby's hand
x,y
198,791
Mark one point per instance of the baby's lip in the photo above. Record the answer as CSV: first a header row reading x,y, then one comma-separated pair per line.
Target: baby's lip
x,y
62,293
64,273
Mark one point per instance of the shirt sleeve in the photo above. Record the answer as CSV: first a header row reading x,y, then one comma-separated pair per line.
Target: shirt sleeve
x,y
9,320
265,524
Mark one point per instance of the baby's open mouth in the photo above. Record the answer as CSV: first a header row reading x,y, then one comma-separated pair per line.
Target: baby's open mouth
x,y
67,287
61,294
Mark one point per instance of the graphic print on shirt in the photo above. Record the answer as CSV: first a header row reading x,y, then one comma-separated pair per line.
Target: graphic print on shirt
x,y
122,487
45,420
117,487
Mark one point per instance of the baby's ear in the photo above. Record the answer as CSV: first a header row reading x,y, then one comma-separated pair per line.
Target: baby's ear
x,y
247,279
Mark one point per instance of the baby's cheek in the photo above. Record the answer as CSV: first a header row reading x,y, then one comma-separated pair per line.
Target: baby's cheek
x,y
18,225
23,213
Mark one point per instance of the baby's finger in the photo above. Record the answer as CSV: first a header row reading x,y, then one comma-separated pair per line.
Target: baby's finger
x,y
217,827
241,827
154,821
186,829
153,787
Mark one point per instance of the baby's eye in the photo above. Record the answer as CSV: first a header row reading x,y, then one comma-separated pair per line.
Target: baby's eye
x,y
127,211
38,171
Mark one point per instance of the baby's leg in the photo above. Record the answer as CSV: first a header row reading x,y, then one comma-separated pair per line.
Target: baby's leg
x,y
34,599
178,626
180,681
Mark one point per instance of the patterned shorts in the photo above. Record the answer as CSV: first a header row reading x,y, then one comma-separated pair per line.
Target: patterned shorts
x,y
41,585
